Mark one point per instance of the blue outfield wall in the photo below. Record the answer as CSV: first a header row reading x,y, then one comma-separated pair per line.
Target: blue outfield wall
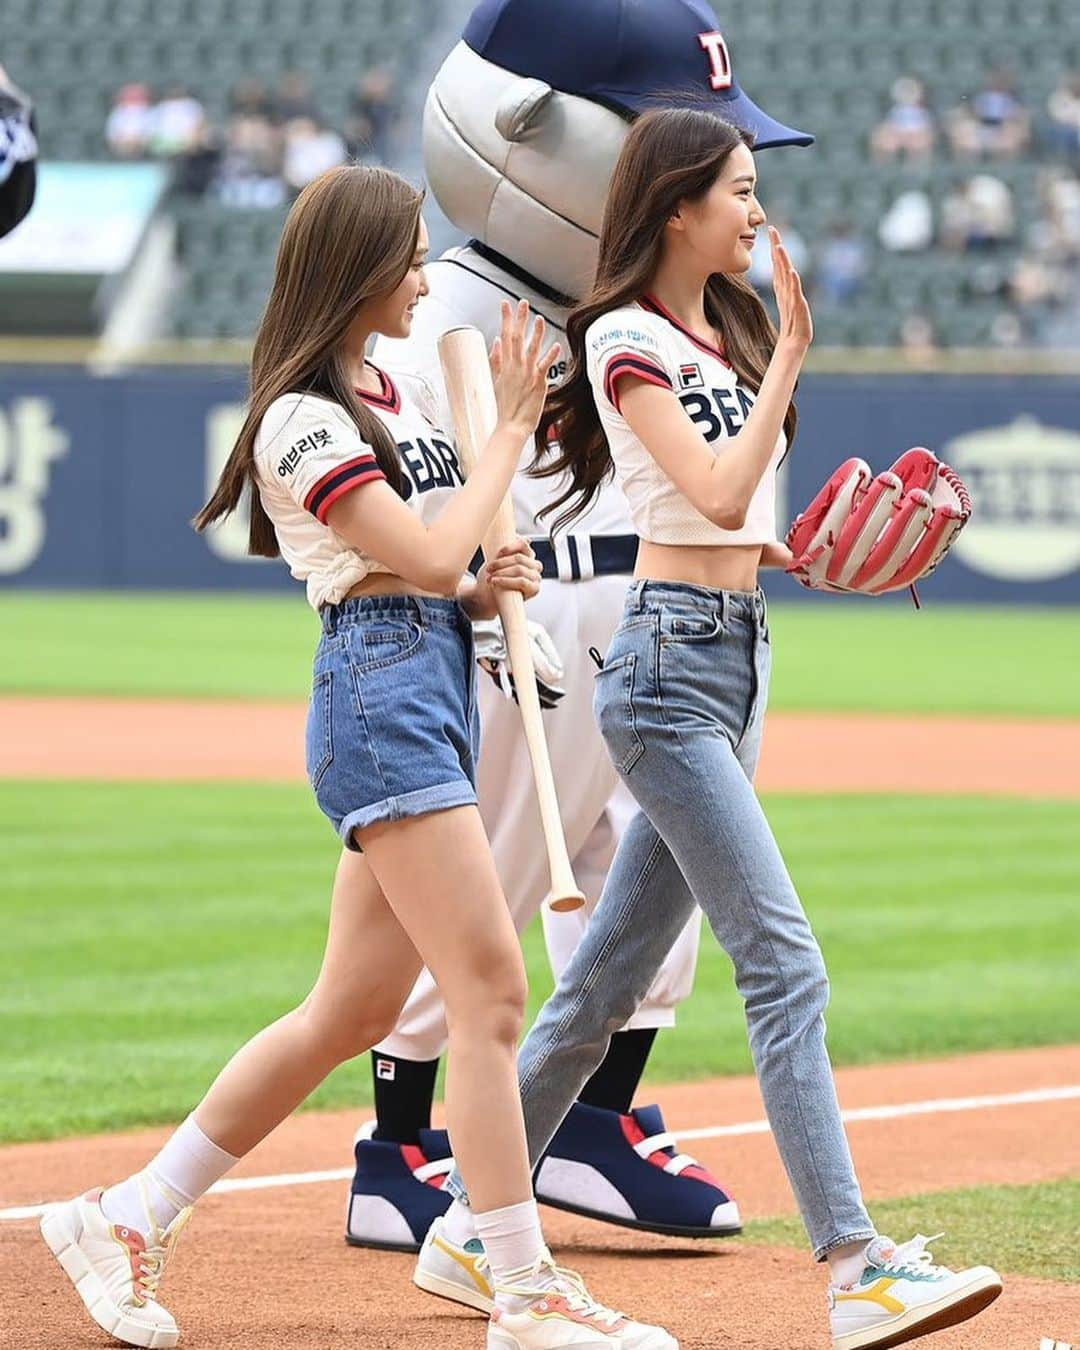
x,y
100,476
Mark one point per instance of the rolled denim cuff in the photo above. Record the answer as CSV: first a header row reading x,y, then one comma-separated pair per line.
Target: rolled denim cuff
x,y
455,1184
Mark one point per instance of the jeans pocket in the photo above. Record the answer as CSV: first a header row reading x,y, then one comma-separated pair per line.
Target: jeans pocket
x,y
319,737
613,704
383,643
690,628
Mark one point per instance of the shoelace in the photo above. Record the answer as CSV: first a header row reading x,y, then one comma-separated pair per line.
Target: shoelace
x,y
154,1257
567,1284
655,1142
914,1257
563,1272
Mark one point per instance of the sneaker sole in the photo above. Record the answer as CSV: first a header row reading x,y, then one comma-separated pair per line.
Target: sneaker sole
x,y
923,1320
411,1247
500,1339
453,1292
61,1240
667,1229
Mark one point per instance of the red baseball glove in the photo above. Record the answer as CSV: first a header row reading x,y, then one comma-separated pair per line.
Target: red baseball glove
x,y
874,535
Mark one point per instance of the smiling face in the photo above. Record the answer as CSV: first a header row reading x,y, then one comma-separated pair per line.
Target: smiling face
x,y
717,231
392,313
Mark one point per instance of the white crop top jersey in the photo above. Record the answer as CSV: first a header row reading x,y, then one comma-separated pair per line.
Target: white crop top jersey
x,y
645,340
309,454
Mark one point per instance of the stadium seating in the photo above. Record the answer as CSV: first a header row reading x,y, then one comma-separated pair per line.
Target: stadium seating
x,y
826,65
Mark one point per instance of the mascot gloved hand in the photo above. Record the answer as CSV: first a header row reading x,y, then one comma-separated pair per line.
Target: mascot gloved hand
x,y
872,535
492,656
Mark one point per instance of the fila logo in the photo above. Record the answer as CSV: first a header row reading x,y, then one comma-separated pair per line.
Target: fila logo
x,y
385,1068
690,376
714,44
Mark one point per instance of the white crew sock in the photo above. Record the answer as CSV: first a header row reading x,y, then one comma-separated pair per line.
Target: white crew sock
x,y
459,1224
515,1246
847,1263
185,1169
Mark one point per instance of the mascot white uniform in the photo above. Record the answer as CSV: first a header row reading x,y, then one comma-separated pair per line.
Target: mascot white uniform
x,y
523,124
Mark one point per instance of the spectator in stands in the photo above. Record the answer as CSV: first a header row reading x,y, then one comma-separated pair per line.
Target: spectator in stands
x,y
294,98
908,225
908,128
178,123
1056,231
841,264
249,174
374,109
994,122
197,167
252,135
130,122
1063,116
311,148
978,214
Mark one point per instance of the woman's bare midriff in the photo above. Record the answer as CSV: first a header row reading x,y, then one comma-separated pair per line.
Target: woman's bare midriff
x,y
386,583
727,567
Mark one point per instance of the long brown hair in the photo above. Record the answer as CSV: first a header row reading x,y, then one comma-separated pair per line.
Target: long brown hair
x,y
671,155
349,237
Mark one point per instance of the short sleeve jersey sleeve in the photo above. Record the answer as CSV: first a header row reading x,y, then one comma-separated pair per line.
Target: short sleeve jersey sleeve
x,y
313,449
625,342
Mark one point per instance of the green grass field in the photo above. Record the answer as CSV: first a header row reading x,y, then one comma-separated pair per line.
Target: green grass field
x,y
150,929
1027,1230
841,655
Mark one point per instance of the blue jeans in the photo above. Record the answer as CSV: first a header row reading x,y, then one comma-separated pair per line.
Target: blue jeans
x,y
681,703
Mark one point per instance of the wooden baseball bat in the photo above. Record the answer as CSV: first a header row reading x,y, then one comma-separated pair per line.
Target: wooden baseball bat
x,y
471,395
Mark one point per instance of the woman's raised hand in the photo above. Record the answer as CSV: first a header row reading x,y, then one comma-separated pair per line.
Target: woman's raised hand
x,y
796,323
520,369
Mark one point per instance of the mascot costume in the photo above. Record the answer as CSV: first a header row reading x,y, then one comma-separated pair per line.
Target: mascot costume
x,y
522,127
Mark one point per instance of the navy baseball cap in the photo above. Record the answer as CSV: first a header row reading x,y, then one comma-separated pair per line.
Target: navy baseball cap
x,y
630,55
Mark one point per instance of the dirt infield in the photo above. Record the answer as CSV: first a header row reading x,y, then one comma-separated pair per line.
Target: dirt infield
x,y
111,739
267,1268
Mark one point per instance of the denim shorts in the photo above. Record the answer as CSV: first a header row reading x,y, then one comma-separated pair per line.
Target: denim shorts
x,y
392,728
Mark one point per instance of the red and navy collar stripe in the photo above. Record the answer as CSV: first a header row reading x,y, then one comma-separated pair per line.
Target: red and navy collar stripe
x,y
388,398
340,479
626,363
650,303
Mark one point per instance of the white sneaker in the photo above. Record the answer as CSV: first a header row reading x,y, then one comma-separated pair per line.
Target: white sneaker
x,y
902,1294
115,1270
553,1310
460,1274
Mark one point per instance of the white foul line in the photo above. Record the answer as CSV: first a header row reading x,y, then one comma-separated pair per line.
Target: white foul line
x,y
935,1106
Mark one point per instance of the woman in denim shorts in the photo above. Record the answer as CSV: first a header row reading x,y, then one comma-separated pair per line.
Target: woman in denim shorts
x,y
354,481
679,383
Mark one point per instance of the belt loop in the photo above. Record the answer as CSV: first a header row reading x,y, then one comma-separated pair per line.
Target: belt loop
x,y
564,567
638,592
585,557
725,609
327,614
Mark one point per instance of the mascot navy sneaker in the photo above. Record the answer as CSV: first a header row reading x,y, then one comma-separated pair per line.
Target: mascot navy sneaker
x,y
626,1169
397,1190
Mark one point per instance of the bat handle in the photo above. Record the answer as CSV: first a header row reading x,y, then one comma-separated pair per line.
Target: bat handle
x,y
564,894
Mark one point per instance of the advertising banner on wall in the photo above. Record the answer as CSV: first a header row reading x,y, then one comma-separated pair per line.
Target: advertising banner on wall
x,y
99,477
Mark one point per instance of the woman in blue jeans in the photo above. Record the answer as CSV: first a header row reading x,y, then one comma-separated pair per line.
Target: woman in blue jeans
x,y
680,384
